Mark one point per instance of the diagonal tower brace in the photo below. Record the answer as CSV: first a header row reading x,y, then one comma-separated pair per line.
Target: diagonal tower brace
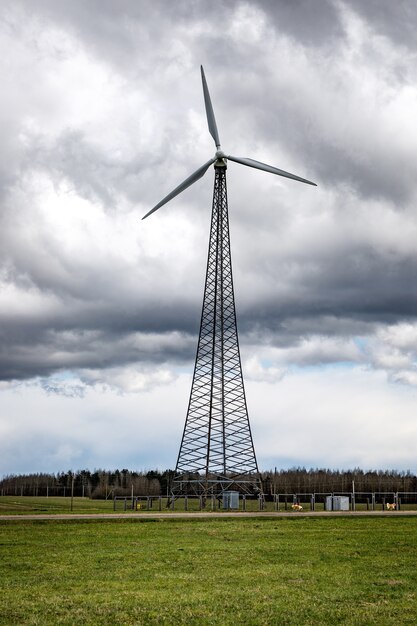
x,y
217,451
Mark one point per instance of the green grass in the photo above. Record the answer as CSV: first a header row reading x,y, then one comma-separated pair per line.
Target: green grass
x,y
286,571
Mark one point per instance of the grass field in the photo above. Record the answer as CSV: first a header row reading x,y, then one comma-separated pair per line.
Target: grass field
x,y
290,571
24,505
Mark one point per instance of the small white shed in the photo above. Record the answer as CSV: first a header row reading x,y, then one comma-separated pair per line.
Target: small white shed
x,y
337,503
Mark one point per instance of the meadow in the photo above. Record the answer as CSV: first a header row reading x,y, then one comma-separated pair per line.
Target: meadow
x,y
27,505
134,571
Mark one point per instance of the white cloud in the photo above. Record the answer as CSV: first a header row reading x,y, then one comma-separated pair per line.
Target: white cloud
x,y
255,369
128,379
319,417
334,418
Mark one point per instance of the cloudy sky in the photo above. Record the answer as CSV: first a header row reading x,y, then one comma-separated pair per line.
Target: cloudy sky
x,y
101,115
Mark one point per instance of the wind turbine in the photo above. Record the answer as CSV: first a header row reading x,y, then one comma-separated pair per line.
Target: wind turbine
x,y
217,451
221,157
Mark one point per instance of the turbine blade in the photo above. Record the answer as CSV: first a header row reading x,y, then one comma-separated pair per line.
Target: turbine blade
x,y
186,183
268,168
211,120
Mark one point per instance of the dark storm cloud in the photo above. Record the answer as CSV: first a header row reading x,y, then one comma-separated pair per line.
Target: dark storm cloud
x,y
396,20
304,21
42,352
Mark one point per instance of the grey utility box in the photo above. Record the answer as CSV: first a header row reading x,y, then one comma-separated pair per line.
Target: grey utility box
x,y
337,503
230,499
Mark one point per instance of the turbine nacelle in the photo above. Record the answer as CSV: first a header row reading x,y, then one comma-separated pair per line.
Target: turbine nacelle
x,y
220,158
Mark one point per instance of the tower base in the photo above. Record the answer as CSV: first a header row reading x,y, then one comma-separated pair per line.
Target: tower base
x,y
215,485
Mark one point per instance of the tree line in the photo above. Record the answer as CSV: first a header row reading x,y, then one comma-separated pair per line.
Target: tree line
x,y
320,480
98,484
298,480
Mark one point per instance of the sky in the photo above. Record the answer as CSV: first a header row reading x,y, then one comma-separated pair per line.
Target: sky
x,y
101,115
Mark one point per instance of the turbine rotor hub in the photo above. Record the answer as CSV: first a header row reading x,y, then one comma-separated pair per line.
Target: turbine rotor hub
x,y
221,160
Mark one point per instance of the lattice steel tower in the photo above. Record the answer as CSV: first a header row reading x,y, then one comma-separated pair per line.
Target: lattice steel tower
x,y
217,451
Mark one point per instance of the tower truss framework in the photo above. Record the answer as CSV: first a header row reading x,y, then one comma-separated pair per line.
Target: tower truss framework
x,y
217,451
